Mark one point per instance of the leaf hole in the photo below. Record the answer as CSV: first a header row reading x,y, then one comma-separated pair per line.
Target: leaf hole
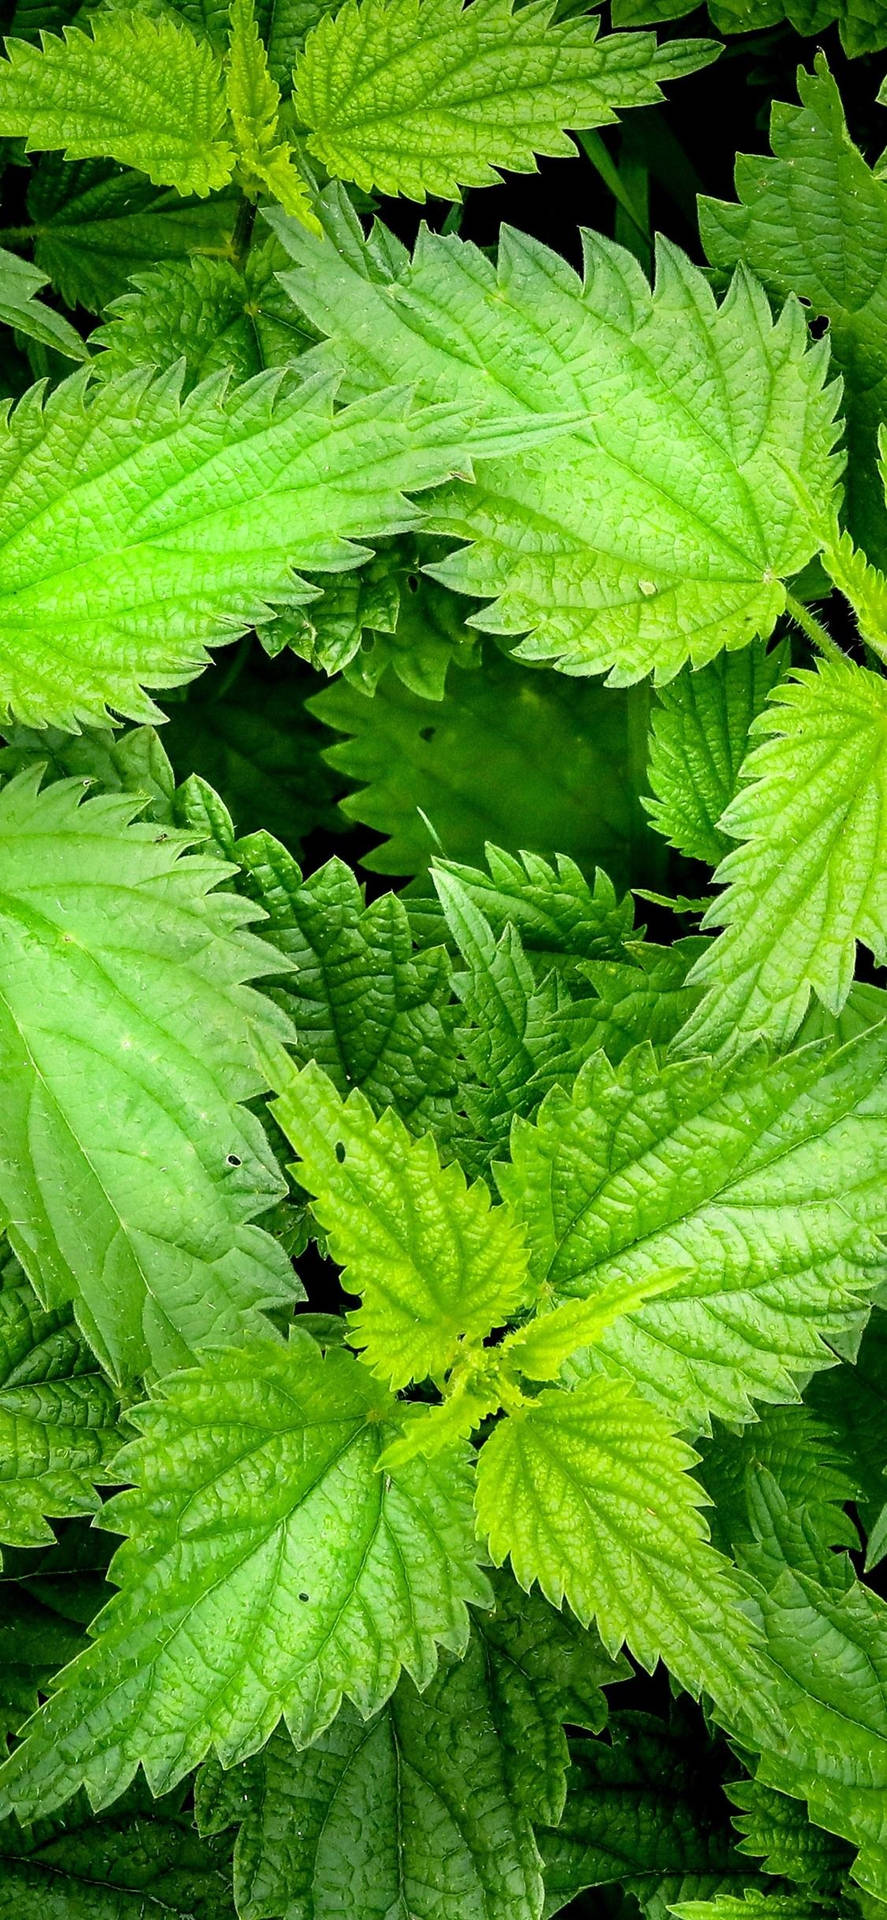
x,y
233,1160
304,1596
427,733
340,1151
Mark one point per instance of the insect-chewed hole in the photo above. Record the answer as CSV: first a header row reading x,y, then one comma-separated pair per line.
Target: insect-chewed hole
x,y
340,1151
233,1160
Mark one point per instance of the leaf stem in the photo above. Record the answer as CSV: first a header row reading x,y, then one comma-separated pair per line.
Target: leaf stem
x,y
814,629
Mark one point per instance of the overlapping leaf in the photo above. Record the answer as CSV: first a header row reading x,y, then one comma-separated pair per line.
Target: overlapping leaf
x,y
809,879
699,739
761,1177
95,225
142,91
19,308
665,527
214,315
425,96
129,1173
141,1855
271,1570
435,1264
265,158
58,1417
109,582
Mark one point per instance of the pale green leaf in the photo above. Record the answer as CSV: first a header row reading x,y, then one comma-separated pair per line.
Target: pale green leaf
x,y
140,1858
214,499
413,1814
271,1570
813,220
528,760
129,1173
762,1177
373,1013
698,741
265,158
210,313
434,1263
19,308
422,96
663,530
589,1493
95,226
141,91
58,1417
645,1811
809,878
542,1348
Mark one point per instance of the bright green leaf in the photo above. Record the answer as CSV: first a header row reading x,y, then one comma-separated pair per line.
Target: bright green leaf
x,y
265,158
19,308
58,1417
265,1551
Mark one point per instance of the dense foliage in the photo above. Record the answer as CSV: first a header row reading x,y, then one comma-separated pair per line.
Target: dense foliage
x,y
443,1313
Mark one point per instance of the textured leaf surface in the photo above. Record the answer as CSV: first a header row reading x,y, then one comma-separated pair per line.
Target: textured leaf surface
x,y
265,157
517,1038
644,995
813,219
435,1264
214,500
588,1492
94,226
215,315
413,1813
140,1858
810,876
698,742
422,96
369,1010
525,760
662,531
141,91
761,1177
271,1570
19,308
645,1810
862,25
778,1830
128,1171
57,1418
561,917
827,1634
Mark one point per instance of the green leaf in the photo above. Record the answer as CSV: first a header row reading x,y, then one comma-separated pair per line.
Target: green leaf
x,y
94,226
131,761
369,1010
528,760
589,1493
244,728
518,1039
699,738
413,1814
128,1171
813,220
141,91
861,22
422,96
645,1810
661,533
760,1904
215,498
805,1457
38,1634
265,158
854,1403
809,878
58,1417
644,995
19,308
777,1829
214,315
266,1551
760,1177
142,1857
827,1635
434,1263
561,918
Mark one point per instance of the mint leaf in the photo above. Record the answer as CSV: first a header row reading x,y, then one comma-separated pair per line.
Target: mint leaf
x,y
300,1560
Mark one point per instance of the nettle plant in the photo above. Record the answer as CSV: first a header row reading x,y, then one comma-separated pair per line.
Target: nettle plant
x,y
464,1309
